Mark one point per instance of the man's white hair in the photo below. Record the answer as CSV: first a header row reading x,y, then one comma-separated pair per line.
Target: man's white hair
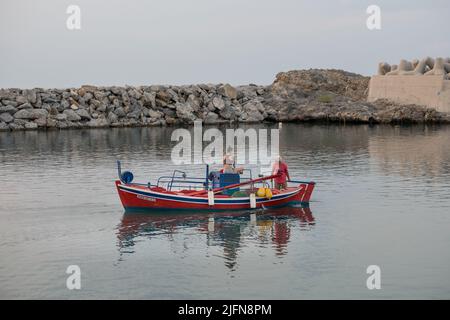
x,y
228,158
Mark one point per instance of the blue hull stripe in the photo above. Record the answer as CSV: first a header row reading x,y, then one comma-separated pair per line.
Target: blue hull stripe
x,y
177,210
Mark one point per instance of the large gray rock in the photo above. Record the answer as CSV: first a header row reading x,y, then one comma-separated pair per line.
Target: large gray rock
x,y
150,99
49,97
7,94
9,109
194,102
16,126
66,94
169,112
173,95
41,122
171,121
31,114
211,118
84,115
62,124
134,93
134,114
88,96
31,126
6,102
65,104
98,123
99,95
21,99
228,112
30,95
25,105
145,112
185,112
218,103
61,117
163,97
51,123
4,126
71,115
6,117
247,92
112,117
95,103
120,112
228,91
102,107
252,112
154,114
53,110
39,113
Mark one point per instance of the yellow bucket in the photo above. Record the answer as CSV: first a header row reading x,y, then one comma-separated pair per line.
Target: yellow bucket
x,y
268,193
261,192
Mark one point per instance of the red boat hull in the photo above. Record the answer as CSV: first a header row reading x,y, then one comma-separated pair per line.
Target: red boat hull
x,y
139,197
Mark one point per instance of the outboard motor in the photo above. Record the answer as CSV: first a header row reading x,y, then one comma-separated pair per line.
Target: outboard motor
x,y
126,176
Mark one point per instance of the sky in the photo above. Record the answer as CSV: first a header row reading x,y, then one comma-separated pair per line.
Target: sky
x,y
144,42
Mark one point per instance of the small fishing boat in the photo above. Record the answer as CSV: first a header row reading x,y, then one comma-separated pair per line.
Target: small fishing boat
x,y
215,191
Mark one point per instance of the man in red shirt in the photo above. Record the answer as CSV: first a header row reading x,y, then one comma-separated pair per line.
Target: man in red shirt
x,y
280,167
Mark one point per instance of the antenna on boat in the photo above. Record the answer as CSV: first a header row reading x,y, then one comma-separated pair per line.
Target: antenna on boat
x,y
207,177
119,169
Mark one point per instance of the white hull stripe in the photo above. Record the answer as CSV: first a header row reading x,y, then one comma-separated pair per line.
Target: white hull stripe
x,y
190,199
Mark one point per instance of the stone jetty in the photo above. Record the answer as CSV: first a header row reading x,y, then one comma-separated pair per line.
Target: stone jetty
x,y
294,96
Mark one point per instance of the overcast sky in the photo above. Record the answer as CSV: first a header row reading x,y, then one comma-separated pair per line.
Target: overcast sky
x,y
140,42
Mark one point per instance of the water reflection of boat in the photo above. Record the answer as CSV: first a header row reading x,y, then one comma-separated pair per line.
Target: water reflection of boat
x,y
229,230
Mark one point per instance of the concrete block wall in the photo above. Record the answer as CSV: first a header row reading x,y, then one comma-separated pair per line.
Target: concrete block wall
x,y
432,91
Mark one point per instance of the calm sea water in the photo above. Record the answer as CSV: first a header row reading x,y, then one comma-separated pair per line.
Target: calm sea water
x,y
382,198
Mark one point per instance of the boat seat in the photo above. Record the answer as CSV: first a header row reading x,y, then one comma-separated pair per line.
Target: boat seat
x,y
226,179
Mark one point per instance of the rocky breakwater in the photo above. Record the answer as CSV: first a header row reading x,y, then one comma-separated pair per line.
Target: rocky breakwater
x,y
305,95
91,106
